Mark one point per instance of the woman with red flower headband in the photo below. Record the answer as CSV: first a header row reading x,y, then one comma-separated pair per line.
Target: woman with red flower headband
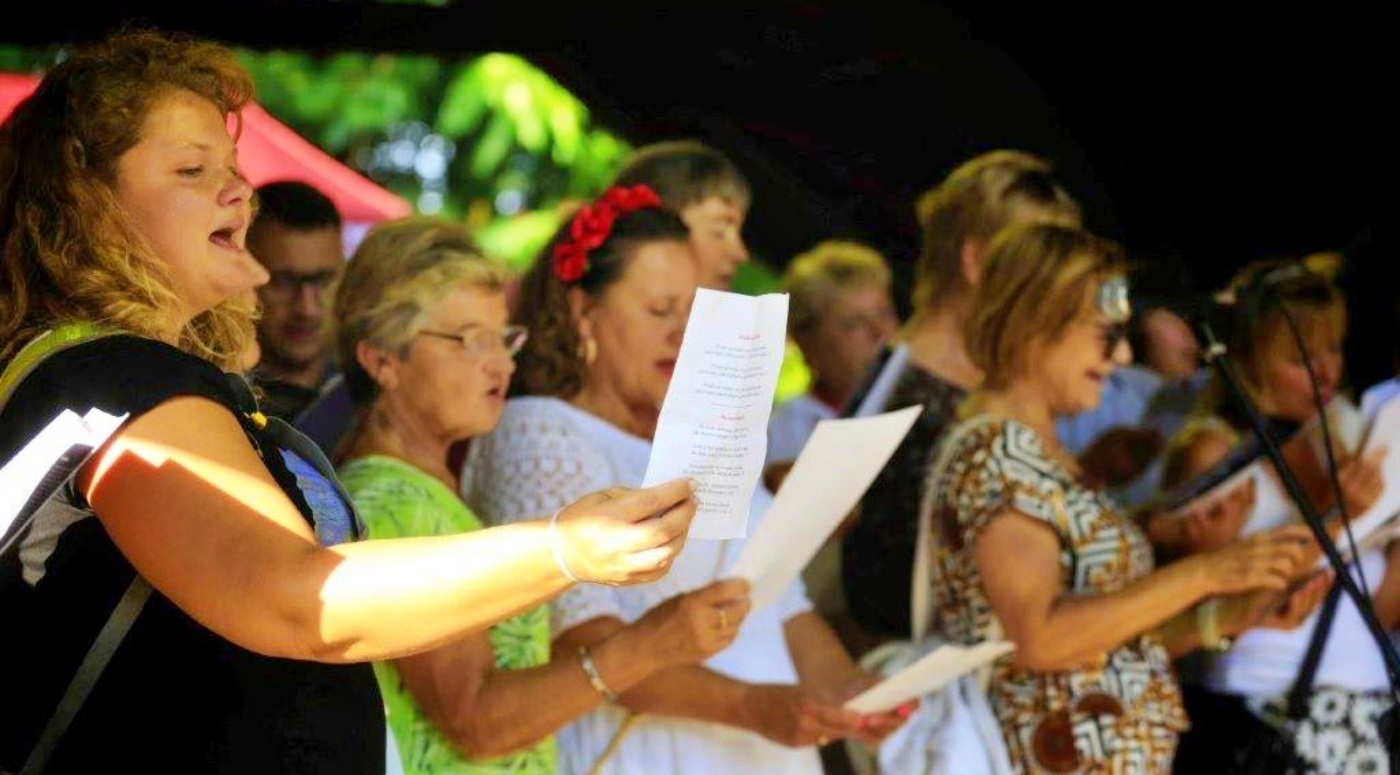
x,y
607,306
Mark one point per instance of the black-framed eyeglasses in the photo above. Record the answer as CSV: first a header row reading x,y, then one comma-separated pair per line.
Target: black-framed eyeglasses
x,y
287,285
480,342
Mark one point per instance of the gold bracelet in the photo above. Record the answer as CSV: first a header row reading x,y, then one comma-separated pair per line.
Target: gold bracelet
x,y
1208,626
594,677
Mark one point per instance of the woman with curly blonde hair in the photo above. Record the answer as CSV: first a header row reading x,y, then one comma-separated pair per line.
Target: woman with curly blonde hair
x,y
249,610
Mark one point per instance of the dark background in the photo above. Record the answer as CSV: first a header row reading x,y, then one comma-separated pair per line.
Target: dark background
x,y
1200,137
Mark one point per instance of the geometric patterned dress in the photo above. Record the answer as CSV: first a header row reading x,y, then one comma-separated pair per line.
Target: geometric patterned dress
x,y
1122,714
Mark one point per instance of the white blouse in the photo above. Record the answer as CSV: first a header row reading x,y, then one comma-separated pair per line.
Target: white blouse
x,y
545,454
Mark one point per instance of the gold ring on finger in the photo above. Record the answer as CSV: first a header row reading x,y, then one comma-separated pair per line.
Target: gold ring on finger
x,y
723,619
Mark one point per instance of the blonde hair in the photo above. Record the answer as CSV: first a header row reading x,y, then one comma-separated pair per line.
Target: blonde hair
x,y
394,281
978,199
1306,291
1038,278
817,277
68,250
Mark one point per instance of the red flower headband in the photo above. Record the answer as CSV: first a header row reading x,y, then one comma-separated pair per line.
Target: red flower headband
x,y
593,223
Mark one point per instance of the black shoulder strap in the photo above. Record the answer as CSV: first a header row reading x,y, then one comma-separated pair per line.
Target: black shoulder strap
x,y
123,616
1301,692
286,436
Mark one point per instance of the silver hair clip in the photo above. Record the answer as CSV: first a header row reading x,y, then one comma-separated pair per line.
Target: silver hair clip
x,y
1112,299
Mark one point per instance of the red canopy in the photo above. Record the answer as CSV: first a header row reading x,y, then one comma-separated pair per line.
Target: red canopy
x,y
269,150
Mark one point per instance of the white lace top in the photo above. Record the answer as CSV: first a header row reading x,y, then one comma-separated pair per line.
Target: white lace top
x,y
545,454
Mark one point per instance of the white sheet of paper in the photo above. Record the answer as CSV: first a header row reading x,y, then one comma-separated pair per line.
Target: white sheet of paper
x,y
714,421
1384,431
840,460
23,473
930,673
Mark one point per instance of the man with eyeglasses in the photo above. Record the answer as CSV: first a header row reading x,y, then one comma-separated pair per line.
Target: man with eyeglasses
x,y
296,234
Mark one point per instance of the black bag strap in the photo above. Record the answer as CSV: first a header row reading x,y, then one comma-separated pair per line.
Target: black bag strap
x,y
286,436
128,608
104,646
1301,691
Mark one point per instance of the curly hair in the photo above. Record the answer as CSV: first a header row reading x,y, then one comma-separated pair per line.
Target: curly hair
x,y
68,251
552,362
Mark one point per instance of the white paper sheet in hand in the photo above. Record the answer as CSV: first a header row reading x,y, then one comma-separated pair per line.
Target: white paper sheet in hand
x,y
930,673
714,421
837,465
1384,432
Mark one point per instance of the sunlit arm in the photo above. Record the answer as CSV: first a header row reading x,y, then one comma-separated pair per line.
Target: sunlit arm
x,y
189,503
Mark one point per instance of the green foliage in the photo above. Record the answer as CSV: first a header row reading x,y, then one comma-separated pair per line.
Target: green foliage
x,y
499,124
518,240
24,59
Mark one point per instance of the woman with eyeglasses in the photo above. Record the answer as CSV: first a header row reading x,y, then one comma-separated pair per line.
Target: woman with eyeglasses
x,y
422,335
1022,547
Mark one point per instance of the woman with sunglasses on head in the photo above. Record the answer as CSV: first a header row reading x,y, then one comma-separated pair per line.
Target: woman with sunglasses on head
x,y
421,330
1022,547
221,543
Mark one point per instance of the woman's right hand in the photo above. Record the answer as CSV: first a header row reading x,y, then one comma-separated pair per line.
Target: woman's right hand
x,y
1270,559
622,535
1361,481
1272,610
689,628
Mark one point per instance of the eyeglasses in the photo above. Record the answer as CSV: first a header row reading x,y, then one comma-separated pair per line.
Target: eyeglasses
x,y
288,285
480,342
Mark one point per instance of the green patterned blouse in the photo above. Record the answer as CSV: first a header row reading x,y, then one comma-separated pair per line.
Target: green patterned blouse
x,y
398,500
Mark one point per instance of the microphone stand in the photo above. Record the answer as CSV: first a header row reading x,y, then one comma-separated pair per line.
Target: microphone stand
x,y
1214,353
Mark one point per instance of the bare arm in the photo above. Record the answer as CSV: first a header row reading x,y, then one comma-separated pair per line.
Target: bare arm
x,y
1054,630
201,518
487,712
780,712
824,667
1387,594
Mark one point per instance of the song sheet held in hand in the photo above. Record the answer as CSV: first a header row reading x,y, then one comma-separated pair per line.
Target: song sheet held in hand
x,y
1305,453
48,459
837,465
714,421
928,674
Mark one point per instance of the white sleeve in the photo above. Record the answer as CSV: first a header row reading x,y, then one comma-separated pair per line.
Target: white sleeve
x,y
532,464
794,600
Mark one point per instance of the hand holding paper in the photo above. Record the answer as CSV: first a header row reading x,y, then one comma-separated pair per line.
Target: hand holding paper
x,y
714,422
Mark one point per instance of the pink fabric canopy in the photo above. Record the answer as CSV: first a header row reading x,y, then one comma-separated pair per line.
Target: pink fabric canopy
x,y
269,150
